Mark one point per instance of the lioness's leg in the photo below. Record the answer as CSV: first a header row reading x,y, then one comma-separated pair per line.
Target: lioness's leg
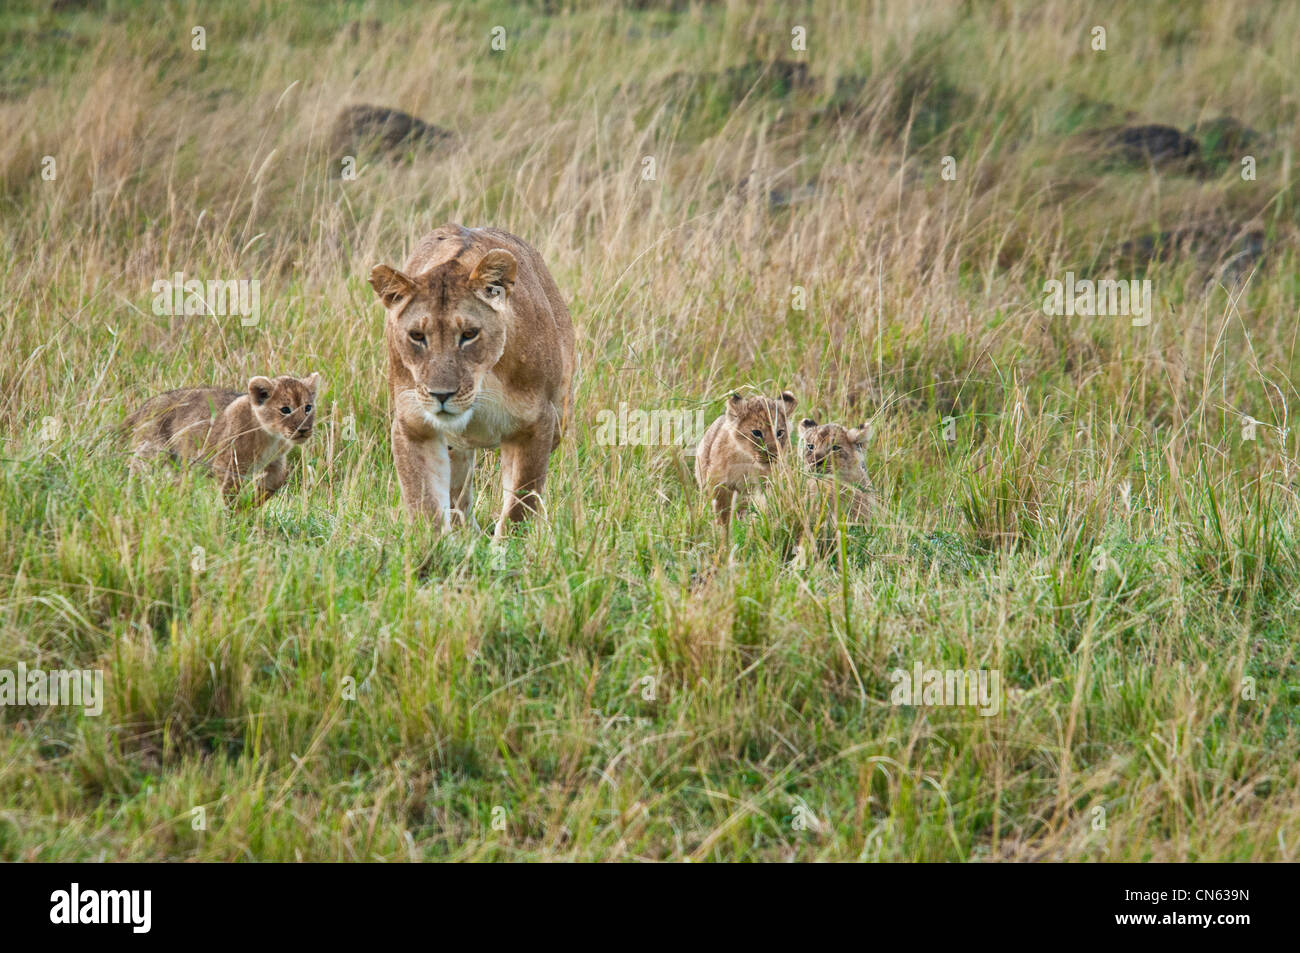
x,y
523,475
424,472
462,484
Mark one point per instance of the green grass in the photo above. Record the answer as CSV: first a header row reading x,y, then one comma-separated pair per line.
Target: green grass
x,y
617,683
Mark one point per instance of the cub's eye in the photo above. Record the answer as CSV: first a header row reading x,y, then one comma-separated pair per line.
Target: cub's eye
x,y
835,448
469,335
780,433
285,411
416,336
306,409
757,433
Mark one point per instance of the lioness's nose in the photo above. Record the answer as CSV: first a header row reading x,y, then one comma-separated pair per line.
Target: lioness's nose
x,y
442,398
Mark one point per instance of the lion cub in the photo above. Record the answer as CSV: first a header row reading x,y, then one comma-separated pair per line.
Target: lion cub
x,y
740,446
242,437
835,452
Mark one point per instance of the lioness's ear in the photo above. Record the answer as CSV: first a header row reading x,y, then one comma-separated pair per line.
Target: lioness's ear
x,y
787,398
391,285
259,389
493,275
734,403
312,382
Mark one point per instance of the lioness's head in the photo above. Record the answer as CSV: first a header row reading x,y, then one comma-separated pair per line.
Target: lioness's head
x,y
831,448
762,421
447,327
285,406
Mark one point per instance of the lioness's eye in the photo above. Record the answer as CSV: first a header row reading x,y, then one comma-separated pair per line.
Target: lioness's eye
x,y
417,337
493,291
285,411
469,335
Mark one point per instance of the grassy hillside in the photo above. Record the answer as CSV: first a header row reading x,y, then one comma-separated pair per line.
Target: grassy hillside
x,y
1078,503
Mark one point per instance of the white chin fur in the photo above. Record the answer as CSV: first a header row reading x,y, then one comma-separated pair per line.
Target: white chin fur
x,y
451,423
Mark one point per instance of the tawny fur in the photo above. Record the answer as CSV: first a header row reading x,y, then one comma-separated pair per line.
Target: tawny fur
x,y
242,437
480,354
833,456
740,448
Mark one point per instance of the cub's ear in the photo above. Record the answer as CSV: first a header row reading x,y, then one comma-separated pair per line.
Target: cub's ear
x,y
807,424
734,403
787,398
391,285
493,275
859,436
312,382
259,390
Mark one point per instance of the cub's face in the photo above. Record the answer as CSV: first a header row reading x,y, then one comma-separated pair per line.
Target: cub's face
x,y
831,448
285,406
447,328
763,422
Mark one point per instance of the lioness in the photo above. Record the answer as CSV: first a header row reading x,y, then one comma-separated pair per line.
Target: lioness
x,y
242,437
740,446
480,354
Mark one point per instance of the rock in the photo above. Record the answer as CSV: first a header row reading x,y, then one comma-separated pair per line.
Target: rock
x,y
1224,248
386,131
1153,145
